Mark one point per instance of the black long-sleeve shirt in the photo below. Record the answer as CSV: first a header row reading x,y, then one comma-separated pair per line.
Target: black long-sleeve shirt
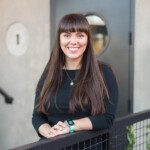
x,y
54,115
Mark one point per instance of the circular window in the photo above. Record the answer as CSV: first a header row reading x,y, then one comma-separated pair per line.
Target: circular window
x,y
99,32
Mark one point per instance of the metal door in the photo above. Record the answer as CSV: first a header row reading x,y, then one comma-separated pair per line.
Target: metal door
x,y
117,51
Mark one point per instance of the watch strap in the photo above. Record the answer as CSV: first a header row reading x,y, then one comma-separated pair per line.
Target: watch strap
x,y
71,129
71,125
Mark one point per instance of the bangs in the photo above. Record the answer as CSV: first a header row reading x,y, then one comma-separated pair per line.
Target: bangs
x,y
74,24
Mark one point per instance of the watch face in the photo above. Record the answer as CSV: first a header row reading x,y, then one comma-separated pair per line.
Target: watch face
x,y
70,122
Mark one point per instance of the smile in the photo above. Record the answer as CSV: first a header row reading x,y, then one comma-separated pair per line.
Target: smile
x,y
73,49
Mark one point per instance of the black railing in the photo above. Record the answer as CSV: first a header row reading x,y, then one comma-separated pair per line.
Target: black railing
x,y
8,98
129,132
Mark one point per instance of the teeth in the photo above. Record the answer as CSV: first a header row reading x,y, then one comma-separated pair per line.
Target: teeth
x,y
73,48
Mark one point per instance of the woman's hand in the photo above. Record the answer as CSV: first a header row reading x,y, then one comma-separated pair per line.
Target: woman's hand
x,y
44,130
59,129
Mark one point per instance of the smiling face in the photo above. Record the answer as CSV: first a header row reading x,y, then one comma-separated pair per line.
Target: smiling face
x,y
73,45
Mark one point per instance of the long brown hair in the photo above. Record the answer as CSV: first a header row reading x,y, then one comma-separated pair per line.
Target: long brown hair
x,y
90,87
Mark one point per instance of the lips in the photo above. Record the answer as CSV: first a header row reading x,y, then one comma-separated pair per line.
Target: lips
x,y
73,49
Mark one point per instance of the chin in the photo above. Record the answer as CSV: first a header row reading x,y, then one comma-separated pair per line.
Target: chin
x,y
74,57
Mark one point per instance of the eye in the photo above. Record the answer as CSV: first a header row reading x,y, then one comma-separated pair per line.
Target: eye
x,y
81,35
66,35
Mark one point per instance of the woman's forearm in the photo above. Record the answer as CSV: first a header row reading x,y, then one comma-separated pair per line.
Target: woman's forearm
x,y
44,130
83,124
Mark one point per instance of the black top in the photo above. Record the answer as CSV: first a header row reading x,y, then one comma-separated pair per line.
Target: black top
x,y
54,115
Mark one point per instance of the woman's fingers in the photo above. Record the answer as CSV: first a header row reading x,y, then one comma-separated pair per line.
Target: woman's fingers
x,y
48,135
58,129
52,132
61,124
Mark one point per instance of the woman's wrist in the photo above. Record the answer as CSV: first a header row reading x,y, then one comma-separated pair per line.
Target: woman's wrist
x,y
70,124
82,124
76,128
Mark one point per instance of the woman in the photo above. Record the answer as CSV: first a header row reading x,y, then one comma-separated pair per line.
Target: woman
x,y
76,91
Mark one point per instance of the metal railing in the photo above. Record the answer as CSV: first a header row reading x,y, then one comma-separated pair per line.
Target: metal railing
x,y
128,133
8,98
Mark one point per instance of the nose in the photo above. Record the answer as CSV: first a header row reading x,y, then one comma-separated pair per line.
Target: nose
x,y
73,40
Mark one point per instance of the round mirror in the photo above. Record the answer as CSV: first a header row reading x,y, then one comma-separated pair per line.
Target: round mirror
x,y
99,32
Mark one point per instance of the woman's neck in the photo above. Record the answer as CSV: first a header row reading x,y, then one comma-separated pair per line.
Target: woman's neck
x,y
72,65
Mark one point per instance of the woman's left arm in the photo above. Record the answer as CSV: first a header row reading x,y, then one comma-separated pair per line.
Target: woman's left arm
x,y
104,121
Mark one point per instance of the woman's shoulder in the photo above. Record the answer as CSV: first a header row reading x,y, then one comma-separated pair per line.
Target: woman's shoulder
x,y
104,66
42,80
106,70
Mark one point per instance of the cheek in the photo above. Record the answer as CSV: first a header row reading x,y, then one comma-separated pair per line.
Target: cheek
x,y
84,42
63,43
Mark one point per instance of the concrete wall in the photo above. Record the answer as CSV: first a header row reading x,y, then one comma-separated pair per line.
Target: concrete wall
x,y
142,56
19,75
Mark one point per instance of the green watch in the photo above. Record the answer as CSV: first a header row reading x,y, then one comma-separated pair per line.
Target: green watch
x,y
71,125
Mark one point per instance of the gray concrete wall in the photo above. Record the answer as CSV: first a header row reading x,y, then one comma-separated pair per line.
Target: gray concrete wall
x,y
19,75
142,56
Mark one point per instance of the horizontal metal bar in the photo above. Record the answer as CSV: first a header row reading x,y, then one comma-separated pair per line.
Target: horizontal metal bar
x,y
73,138
131,119
8,99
